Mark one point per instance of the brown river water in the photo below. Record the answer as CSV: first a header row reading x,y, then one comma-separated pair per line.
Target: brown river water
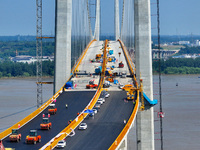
x,y
181,104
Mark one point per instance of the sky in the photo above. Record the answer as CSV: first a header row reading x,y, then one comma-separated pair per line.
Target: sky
x,y
177,17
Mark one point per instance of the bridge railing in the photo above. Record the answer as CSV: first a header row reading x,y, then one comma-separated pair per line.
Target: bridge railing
x,y
74,124
34,114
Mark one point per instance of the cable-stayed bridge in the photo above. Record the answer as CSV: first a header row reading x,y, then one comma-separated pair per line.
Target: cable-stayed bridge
x,y
112,126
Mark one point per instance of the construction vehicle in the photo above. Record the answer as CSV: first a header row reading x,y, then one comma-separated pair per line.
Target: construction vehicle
x,y
121,65
131,94
98,56
110,79
98,69
91,85
127,87
45,124
15,136
52,109
33,137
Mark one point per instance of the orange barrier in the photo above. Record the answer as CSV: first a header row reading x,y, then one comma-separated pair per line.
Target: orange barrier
x,y
65,132
44,106
128,61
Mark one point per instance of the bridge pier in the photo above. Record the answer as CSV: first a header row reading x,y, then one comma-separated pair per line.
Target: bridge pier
x,y
63,25
142,29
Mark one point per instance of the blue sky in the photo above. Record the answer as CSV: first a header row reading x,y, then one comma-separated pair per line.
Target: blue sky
x,y
176,17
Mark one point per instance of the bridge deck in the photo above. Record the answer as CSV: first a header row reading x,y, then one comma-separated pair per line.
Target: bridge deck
x,y
76,101
105,126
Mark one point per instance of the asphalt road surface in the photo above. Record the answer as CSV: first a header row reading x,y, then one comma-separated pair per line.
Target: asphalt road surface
x,y
105,126
76,101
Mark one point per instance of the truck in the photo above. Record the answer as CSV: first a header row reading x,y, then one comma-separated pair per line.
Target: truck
x,y
121,65
91,85
98,69
52,109
33,137
46,125
15,136
69,85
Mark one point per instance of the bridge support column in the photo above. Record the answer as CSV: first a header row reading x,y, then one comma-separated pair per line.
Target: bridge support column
x,y
142,29
63,25
97,23
116,19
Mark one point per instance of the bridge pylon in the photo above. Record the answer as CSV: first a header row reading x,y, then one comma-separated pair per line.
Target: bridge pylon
x,y
142,29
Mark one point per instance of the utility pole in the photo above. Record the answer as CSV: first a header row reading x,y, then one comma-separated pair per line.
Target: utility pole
x,y
39,52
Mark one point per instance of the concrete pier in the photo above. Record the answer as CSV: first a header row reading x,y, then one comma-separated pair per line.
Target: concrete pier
x,y
142,29
63,27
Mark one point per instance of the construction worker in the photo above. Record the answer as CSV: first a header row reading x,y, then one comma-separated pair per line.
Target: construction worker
x,y
66,105
124,121
78,113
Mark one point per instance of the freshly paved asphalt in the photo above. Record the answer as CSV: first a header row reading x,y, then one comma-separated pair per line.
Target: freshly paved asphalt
x,y
76,101
106,125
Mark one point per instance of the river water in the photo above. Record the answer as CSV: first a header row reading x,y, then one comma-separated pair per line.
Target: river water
x,y
181,124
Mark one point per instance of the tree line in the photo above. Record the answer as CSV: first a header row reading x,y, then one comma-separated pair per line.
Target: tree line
x,y
12,69
178,66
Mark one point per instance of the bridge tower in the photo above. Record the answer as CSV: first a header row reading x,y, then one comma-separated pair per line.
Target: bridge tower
x,y
63,25
142,32
97,22
116,19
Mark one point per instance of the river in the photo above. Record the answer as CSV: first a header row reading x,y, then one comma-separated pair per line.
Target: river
x,y
181,124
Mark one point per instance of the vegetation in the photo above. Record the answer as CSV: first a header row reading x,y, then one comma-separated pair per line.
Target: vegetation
x,y
178,66
189,50
11,69
11,49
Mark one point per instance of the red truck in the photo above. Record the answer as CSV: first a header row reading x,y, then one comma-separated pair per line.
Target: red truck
x,y
15,136
45,124
91,85
33,137
52,109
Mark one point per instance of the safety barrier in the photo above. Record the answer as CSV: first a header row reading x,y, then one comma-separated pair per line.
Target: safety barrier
x,y
34,114
72,126
128,61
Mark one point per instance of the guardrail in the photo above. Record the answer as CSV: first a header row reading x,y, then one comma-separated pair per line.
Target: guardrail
x,y
129,63
72,126
27,119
